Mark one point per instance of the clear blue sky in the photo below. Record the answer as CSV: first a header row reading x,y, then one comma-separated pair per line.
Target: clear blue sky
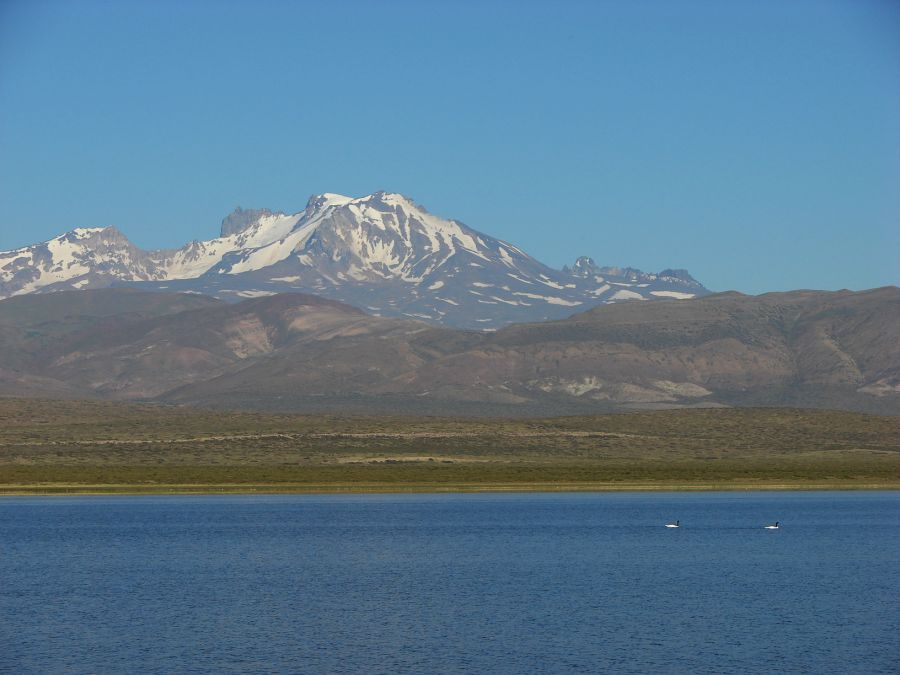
x,y
755,143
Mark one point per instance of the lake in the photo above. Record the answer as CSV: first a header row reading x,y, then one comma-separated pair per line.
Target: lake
x,y
509,583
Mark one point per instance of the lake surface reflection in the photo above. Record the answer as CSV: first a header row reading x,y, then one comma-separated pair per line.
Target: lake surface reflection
x,y
451,583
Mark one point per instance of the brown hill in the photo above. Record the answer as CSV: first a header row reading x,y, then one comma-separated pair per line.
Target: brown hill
x,y
34,328
299,352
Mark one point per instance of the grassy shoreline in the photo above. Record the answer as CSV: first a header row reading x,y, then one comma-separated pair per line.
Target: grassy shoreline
x,y
60,489
77,447
87,491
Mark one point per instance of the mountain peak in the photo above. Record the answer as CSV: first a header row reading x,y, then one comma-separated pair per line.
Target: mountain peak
x,y
680,275
328,199
90,236
240,219
585,266
404,202
84,232
390,198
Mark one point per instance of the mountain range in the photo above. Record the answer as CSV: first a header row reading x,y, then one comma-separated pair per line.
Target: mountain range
x,y
382,253
369,305
298,352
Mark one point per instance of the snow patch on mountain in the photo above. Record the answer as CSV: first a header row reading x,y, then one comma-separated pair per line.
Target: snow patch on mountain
x,y
626,295
672,294
549,298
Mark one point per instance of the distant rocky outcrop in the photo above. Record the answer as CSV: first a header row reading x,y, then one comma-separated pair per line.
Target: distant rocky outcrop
x,y
585,267
240,219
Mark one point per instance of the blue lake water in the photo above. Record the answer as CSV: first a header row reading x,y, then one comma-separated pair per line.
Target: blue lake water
x,y
452,583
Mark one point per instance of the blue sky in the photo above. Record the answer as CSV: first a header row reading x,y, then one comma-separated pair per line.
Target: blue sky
x,y
756,144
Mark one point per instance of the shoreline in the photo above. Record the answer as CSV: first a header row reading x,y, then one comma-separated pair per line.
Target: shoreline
x,y
59,489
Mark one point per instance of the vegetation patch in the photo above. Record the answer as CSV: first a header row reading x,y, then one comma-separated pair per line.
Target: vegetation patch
x,y
91,446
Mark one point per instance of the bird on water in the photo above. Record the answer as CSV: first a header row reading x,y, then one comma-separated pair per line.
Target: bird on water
x,y
772,527
677,523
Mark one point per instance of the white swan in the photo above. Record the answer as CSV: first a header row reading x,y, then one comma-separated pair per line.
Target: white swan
x,y
772,527
677,523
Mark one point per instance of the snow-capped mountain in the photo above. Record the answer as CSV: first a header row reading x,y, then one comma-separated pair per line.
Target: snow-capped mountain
x,y
382,252
85,257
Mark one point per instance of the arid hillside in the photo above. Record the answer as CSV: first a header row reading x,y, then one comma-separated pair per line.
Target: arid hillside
x,y
296,352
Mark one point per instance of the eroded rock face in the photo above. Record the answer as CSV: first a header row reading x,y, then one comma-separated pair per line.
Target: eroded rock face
x,y
240,219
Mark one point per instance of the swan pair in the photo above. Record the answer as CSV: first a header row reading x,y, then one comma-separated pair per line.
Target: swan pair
x,y
677,523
